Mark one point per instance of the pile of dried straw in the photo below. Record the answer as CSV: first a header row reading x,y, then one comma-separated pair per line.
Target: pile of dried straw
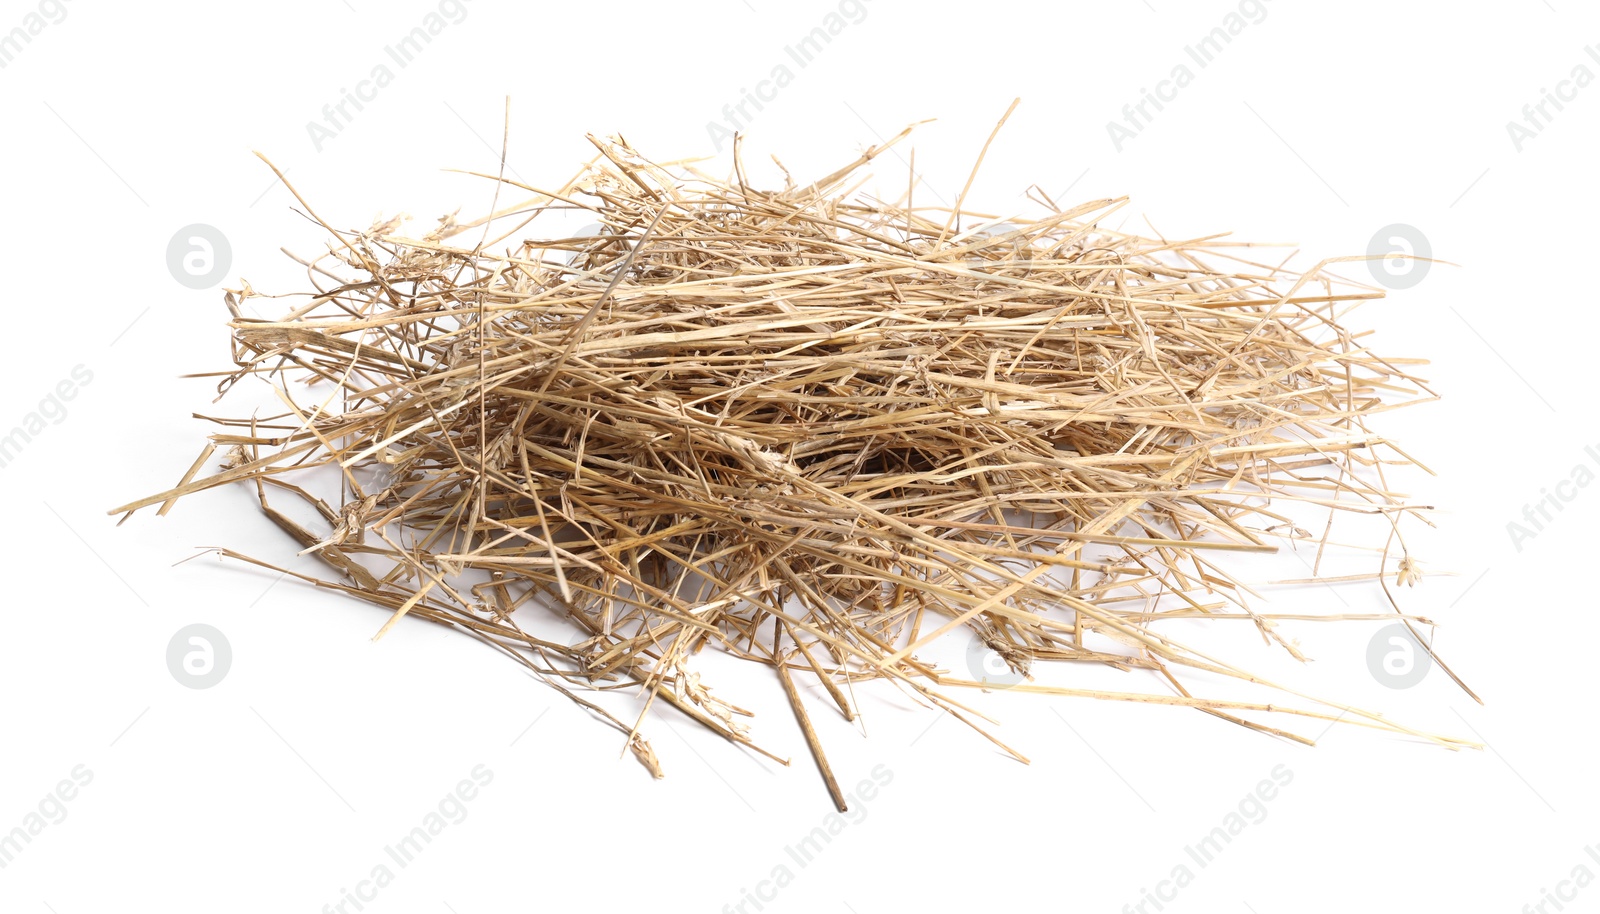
x,y
811,429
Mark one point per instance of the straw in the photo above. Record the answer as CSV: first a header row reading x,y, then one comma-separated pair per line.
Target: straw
x,y
817,431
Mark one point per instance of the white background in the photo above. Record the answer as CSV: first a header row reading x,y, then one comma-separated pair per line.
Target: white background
x,y
278,789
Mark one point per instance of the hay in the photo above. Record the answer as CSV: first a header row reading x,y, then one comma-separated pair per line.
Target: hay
x,y
814,430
